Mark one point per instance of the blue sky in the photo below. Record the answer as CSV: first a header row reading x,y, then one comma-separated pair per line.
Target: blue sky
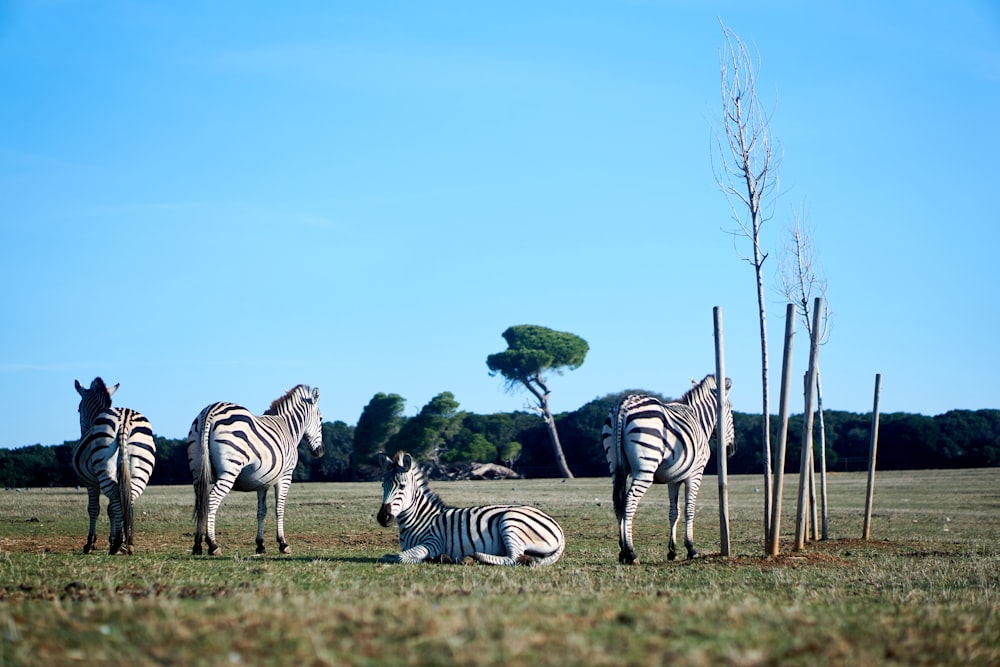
x,y
217,201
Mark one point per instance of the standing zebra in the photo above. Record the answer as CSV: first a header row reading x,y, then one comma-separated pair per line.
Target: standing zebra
x,y
662,443
228,447
429,530
115,456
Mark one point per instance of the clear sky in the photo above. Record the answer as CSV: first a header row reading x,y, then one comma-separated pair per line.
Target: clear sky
x,y
217,201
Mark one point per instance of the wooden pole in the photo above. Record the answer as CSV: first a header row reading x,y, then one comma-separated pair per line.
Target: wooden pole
x,y
774,534
720,432
822,457
867,530
807,427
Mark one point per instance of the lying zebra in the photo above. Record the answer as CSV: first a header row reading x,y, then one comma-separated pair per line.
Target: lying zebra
x,y
430,530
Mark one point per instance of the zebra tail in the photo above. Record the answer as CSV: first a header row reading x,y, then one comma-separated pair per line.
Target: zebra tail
x,y
536,558
125,479
618,472
203,478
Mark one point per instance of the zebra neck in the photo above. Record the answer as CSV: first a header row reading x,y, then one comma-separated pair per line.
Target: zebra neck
x,y
295,422
420,514
704,405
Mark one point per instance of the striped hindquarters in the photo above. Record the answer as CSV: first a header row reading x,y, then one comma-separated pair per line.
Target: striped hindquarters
x,y
96,456
248,451
500,530
653,440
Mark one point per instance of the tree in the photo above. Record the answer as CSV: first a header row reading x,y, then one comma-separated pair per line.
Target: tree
x,y
531,351
802,280
338,444
379,421
748,177
426,435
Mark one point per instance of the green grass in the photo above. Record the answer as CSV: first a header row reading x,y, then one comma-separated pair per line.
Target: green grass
x,y
924,590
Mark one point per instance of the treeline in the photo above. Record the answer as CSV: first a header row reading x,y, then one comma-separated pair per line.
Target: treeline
x,y
443,433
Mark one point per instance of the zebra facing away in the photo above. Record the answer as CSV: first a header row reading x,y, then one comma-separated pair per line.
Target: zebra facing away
x,y
114,456
653,442
430,530
230,448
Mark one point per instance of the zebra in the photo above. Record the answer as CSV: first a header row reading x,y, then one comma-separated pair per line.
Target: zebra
x,y
430,530
115,456
662,443
230,448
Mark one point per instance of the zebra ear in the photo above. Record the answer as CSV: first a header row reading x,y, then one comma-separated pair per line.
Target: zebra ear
x,y
113,389
407,462
384,460
694,382
729,384
79,387
316,394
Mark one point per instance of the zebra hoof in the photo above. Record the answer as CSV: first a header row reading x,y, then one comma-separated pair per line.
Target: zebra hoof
x,y
214,550
692,554
196,550
260,549
671,555
284,548
88,548
627,558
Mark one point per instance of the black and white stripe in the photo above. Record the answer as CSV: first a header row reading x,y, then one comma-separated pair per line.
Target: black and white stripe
x,y
430,530
230,448
662,443
114,456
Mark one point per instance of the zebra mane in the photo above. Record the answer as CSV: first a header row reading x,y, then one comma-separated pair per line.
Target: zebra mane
x,y
280,402
697,389
420,477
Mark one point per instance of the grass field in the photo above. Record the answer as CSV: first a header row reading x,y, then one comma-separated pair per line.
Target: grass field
x,y
924,591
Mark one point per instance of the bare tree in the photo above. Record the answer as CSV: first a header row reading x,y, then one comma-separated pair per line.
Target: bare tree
x,y
747,175
802,280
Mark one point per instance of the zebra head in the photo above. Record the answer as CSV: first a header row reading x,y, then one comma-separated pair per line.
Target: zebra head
x,y
399,486
93,401
730,435
313,433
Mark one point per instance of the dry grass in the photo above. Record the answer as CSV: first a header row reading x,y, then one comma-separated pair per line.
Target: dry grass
x,y
924,590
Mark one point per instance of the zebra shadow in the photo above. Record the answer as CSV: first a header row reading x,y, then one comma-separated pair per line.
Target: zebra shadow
x,y
264,558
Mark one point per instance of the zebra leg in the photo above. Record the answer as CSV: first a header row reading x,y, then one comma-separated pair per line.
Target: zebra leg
x,y
93,509
691,486
219,491
117,535
261,515
636,491
673,490
417,554
280,494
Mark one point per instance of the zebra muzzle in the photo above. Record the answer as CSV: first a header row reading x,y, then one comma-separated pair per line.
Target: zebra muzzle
x,y
384,516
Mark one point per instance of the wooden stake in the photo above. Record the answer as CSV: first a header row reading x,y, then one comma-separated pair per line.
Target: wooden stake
x,y
867,530
774,534
807,426
722,464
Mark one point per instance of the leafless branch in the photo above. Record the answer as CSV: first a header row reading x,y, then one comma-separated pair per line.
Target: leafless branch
x,y
800,273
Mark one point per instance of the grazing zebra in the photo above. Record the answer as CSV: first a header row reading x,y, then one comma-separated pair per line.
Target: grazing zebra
x,y
430,530
115,456
230,448
662,443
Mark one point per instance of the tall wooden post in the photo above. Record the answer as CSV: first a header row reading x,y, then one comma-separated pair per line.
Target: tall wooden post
x,y
774,533
807,426
722,464
867,530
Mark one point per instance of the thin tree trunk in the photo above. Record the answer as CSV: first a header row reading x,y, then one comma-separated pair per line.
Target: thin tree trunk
x,y
765,402
541,393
